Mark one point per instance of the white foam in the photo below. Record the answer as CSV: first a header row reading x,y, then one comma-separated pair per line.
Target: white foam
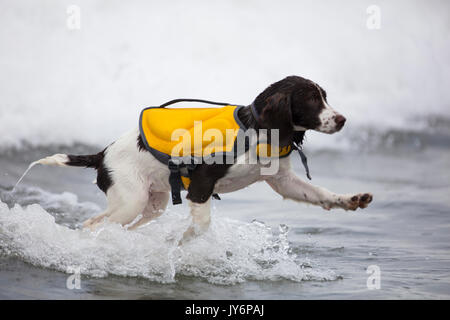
x,y
230,252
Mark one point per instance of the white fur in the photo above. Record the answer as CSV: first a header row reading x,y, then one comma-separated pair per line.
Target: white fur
x,y
287,184
239,175
58,159
201,217
327,117
137,177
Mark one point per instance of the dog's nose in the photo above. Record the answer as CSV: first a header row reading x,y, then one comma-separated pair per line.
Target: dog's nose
x,y
340,121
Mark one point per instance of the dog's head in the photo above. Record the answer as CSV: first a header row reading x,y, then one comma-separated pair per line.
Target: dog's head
x,y
297,104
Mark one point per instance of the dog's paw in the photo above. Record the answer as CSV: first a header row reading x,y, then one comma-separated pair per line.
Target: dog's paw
x,y
360,200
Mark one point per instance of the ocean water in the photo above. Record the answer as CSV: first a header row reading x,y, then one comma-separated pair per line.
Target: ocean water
x,y
258,246
78,90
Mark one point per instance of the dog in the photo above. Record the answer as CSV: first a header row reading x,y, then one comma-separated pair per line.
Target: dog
x,y
135,182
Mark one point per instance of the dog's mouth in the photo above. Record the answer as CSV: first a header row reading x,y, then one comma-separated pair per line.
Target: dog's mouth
x,y
340,121
331,125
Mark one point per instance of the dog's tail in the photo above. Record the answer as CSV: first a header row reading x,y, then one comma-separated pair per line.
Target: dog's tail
x,y
64,160
59,159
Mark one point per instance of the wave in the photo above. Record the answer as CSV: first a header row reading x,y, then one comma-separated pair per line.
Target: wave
x,y
427,132
65,207
229,252
373,139
417,133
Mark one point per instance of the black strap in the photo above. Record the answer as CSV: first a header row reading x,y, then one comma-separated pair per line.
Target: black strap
x,y
175,182
303,157
255,113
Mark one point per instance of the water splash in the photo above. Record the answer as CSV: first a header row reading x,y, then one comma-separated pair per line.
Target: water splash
x,y
229,252
64,207
24,174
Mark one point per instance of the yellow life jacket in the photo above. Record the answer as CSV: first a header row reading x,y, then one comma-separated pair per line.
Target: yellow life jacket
x,y
185,132
175,131
173,134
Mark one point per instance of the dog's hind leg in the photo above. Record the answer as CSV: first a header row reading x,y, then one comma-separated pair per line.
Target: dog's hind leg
x,y
157,203
125,203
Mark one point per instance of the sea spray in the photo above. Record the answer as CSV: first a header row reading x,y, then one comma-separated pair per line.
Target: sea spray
x,y
229,252
24,174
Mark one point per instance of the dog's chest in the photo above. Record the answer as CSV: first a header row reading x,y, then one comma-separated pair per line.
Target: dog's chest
x,y
238,176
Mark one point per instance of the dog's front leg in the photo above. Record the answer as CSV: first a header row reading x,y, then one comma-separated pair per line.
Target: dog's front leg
x,y
203,180
287,184
201,217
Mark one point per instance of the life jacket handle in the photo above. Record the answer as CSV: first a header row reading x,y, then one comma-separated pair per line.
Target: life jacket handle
x,y
196,100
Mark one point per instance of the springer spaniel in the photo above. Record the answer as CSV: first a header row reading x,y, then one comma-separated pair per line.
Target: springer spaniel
x,y
135,182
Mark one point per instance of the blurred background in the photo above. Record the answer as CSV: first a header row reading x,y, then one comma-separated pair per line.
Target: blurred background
x,y
61,85
75,74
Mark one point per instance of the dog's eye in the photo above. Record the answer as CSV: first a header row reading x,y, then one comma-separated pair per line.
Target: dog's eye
x,y
316,98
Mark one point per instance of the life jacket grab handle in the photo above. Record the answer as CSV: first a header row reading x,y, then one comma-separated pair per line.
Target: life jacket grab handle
x,y
196,100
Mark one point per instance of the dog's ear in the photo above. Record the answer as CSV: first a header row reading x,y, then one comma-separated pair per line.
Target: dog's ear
x,y
277,114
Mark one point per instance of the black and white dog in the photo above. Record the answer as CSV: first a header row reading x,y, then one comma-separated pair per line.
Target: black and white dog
x,y
135,182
